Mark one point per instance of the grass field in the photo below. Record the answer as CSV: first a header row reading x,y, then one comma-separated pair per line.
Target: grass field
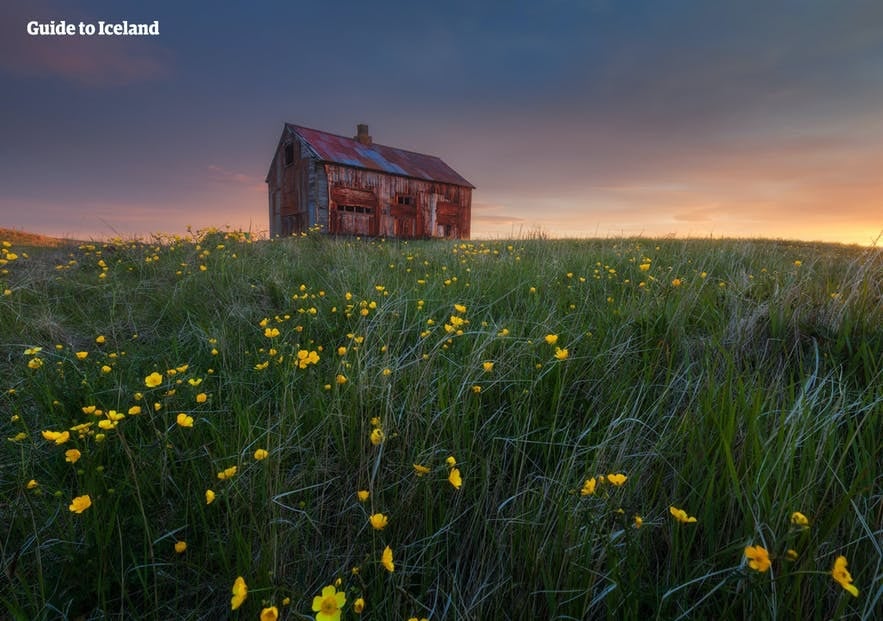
x,y
532,429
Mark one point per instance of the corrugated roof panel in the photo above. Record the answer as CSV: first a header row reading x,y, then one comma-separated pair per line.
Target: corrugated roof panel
x,y
350,152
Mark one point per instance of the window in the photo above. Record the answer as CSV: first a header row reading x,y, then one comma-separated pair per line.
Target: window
x,y
289,154
404,199
355,209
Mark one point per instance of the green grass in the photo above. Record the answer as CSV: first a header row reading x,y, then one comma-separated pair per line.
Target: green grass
x,y
738,380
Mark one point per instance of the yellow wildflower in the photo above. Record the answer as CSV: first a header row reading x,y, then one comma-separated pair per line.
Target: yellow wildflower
x,y
209,496
378,521
260,454
551,339
81,355
589,487
616,479
758,558
487,366
451,461
228,473
340,378
328,604
681,516
201,397
386,560
798,519
639,521
271,333
377,436
842,576
32,484
240,592
455,479
184,420
420,470
59,437
561,353
359,606
153,380
270,614
362,495
72,455
180,547
80,504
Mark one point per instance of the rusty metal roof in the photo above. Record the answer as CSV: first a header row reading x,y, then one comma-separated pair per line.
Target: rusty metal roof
x,y
350,152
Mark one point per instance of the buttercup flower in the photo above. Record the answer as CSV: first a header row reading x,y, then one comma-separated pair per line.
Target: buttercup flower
x,y
487,366
377,436
378,521
589,487
240,592
561,353
270,614
420,470
758,558
454,478
328,604
228,473
72,455
153,380
32,484
209,496
59,437
842,576
639,521
798,519
451,461
616,479
180,547
681,516
184,420
551,339
362,495
80,504
386,559
260,454
359,606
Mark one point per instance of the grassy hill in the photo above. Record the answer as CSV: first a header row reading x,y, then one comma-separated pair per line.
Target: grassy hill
x,y
529,429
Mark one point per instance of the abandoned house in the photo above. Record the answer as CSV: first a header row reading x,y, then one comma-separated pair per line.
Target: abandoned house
x,y
352,186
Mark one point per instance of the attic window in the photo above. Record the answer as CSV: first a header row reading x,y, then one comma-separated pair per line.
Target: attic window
x,y
289,154
404,199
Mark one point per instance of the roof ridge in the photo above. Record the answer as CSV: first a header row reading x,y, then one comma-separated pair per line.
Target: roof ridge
x,y
373,144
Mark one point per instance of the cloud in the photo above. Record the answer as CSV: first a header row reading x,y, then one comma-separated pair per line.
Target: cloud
x,y
90,61
219,174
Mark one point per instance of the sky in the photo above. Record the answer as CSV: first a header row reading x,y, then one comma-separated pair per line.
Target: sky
x,y
573,118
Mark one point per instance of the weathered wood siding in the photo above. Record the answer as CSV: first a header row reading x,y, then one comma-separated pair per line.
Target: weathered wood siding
x,y
367,202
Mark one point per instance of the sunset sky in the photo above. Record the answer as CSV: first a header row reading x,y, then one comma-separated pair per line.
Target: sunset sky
x,y
577,118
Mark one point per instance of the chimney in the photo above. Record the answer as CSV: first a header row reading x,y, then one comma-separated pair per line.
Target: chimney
x,y
362,134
